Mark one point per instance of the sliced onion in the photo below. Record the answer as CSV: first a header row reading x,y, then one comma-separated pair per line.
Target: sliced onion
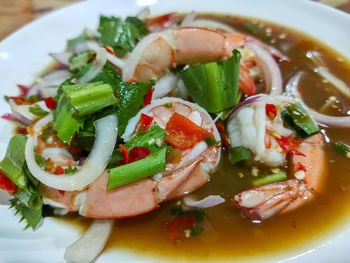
x,y
91,244
22,113
164,85
144,13
293,92
272,73
62,57
210,24
209,201
115,60
95,164
188,19
47,86
246,102
100,61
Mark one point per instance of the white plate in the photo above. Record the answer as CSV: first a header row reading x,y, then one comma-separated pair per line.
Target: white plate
x,y
24,54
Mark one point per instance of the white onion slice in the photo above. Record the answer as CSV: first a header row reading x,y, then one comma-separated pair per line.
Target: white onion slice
x,y
292,92
22,114
95,164
115,60
100,61
91,244
144,13
209,201
272,73
210,24
188,19
62,57
164,85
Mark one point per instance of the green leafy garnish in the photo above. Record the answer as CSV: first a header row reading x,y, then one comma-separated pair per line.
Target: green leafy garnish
x,y
341,147
199,214
210,141
82,37
121,35
196,230
78,61
177,212
41,161
70,170
238,154
37,110
296,118
214,86
272,178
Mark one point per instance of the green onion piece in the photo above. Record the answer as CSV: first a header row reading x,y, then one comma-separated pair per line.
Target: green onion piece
x,y
199,214
89,98
297,118
177,212
210,141
78,61
37,110
132,172
41,161
239,153
70,170
277,177
14,160
341,147
196,230
214,86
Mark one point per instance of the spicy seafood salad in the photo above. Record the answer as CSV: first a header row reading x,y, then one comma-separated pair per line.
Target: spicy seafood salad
x,y
145,109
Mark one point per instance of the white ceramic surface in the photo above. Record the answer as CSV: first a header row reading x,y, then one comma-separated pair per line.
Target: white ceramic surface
x,y
25,53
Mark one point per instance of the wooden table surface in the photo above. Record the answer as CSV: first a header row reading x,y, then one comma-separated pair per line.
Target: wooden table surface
x,y
16,13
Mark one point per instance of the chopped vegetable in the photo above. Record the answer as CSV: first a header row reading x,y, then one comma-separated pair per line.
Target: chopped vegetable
x,y
271,111
82,37
78,61
70,170
341,147
276,177
210,141
148,98
196,230
37,110
177,211
7,184
132,172
51,103
146,122
199,214
124,153
297,118
214,86
289,144
239,153
40,161
183,133
138,153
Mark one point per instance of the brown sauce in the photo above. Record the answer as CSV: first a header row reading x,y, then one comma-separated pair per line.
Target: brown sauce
x,y
227,235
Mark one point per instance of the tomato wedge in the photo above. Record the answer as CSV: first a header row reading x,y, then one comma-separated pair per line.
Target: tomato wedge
x,y
6,184
183,133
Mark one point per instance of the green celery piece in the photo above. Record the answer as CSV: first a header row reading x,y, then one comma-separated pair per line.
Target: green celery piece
x,y
297,118
132,172
78,61
272,178
214,86
14,160
119,34
66,123
37,110
82,37
90,97
238,154
341,147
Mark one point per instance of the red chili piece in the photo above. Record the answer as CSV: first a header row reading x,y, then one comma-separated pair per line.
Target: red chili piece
x,y
20,130
138,153
109,50
124,153
74,149
146,122
301,167
223,134
24,89
18,100
290,145
271,111
148,98
62,192
59,170
51,103
6,184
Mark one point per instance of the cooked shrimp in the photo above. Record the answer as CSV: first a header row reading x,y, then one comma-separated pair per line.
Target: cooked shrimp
x,y
187,174
264,201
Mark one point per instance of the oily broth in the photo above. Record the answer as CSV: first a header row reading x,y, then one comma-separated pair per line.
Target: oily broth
x,y
227,234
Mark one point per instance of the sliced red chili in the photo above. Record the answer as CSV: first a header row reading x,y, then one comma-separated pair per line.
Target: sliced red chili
x,y
146,122
20,130
271,111
183,133
50,103
62,192
24,89
138,153
148,98
18,100
59,170
7,184
301,167
290,145
109,50
160,22
125,153
173,231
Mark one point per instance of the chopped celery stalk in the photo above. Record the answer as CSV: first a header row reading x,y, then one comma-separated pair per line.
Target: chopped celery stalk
x,y
77,61
341,147
214,86
277,177
132,172
239,153
89,98
297,118
12,164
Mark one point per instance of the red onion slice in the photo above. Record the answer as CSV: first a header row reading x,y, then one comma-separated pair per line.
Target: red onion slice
x,y
246,102
292,92
22,113
91,244
272,73
144,13
95,164
62,57
209,201
188,19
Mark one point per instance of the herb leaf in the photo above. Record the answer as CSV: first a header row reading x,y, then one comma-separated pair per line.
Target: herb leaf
x,y
37,110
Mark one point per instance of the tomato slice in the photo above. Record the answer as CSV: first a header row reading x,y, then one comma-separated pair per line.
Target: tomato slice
x,y
138,153
183,133
6,184
146,122
50,103
148,98
271,111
